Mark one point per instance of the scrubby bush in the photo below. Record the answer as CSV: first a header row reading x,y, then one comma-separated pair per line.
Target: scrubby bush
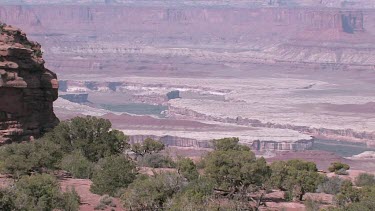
x,y
112,174
156,161
330,185
342,172
338,167
365,179
194,196
78,165
151,192
187,168
70,200
7,198
297,177
43,193
233,166
20,159
106,199
90,135
312,205
148,146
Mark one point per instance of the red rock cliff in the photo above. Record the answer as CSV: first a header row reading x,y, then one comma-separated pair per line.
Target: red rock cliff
x,y
27,88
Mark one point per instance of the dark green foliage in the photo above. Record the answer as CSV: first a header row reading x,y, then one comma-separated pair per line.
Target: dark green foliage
x,y
312,205
70,200
23,158
156,161
233,166
336,166
148,146
348,194
37,193
226,144
365,179
48,154
112,174
90,135
187,168
151,193
105,201
7,198
330,185
78,165
195,196
296,176
356,199
18,159
236,172
42,193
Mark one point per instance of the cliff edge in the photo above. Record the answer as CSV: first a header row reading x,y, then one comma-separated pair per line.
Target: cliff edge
x,y
27,88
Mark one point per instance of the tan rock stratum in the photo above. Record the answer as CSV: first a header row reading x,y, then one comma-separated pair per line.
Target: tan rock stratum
x,y
27,88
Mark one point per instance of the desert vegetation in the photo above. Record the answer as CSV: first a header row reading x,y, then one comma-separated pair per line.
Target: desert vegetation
x,y
230,177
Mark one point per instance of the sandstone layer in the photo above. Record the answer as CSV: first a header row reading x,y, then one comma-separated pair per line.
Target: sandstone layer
x,y
305,70
27,88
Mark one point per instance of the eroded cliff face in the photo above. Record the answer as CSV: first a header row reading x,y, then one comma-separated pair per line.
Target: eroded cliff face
x,y
27,88
141,38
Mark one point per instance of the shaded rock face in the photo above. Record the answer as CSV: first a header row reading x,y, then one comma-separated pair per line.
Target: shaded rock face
x,y
27,88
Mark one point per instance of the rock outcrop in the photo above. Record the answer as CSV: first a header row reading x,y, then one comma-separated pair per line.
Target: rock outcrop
x,y
27,88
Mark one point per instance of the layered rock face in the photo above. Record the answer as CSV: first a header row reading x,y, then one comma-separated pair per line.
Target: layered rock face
x,y
27,88
143,38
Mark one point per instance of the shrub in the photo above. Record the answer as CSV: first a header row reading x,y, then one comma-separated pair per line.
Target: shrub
x,y
112,174
330,185
20,159
196,195
336,166
37,192
156,161
106,199
312,205
187,169
70,200
148,146
7,197
78,165
365,179
90,135
295,176
151,193
341,172
288,195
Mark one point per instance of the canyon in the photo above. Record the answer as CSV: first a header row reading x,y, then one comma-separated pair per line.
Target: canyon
x,y
277,74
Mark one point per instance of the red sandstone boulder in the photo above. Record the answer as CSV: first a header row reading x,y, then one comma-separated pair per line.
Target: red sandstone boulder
x,y
27,88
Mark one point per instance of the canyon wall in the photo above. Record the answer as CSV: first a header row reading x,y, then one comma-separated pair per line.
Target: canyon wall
x,y
229,3
27,89
141,40
325,133
256,145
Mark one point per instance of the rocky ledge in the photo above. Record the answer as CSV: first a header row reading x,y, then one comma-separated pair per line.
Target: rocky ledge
x,y
27,88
